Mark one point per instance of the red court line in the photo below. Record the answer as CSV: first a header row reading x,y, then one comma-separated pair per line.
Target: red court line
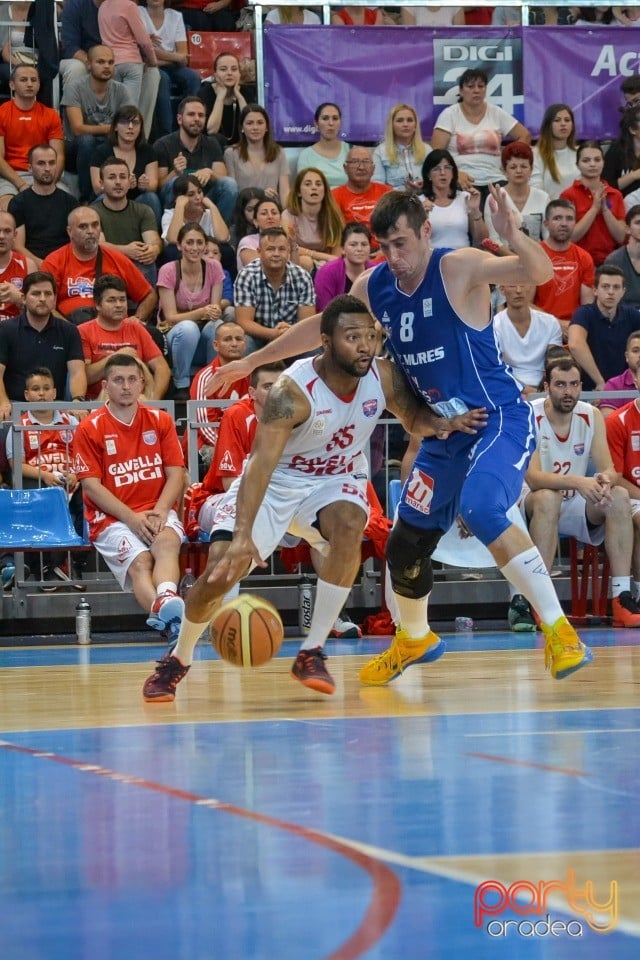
x,y
387,888
527,763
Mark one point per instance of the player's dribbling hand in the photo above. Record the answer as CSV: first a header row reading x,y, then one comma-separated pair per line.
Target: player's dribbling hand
x,y
235,563
228,374
469,422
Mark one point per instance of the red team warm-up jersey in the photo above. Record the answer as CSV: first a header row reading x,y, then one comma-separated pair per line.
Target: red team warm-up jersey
x,y
45,449
128,459
623,437
235,437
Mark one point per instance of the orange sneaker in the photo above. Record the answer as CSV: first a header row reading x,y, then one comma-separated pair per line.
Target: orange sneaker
x,y
626,612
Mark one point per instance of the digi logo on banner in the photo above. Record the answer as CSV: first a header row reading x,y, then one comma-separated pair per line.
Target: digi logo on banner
x,y
500,57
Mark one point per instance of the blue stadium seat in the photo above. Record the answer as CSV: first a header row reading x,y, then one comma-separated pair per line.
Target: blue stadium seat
x,y
36,520
393,499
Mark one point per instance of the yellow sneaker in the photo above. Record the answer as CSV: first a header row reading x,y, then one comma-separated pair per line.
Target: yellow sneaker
x,y
564,652
402,653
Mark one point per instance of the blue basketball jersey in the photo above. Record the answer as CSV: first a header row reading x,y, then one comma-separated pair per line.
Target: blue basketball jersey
x,y
450,364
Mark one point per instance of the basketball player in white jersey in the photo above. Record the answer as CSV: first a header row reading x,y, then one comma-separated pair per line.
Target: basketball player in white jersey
x,y
307,475
563,499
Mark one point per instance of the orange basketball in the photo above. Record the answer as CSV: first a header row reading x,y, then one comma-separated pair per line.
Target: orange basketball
x,y
247,631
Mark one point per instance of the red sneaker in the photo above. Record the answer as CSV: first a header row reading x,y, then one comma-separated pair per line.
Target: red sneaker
x,y
310,670
160,687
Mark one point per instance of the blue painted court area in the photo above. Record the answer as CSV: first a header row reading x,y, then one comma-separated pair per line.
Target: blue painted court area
x,y
287,838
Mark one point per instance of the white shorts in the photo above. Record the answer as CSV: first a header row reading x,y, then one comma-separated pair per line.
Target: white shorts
x,y
119,547
208,511
573,522
291,505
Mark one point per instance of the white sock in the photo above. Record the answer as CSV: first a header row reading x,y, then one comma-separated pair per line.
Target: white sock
x,y
635,589
188,637
413,615
165,587
528,574
390,597
619,585
330,599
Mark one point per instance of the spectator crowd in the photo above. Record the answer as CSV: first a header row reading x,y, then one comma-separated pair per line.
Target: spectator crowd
x,y
154,215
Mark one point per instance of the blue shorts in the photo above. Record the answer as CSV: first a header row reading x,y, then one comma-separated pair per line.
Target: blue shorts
x,y
487,468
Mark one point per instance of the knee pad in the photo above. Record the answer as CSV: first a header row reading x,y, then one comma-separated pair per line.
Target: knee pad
x,y
409,551
483,507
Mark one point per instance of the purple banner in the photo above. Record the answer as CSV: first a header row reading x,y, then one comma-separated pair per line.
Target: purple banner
x,y
367,71
581,66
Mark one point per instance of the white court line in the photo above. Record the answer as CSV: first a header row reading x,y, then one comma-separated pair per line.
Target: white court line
x,y
470,878
550,733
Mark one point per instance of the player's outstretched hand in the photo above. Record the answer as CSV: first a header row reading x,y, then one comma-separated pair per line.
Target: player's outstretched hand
x,y
503,215
228,374
469,422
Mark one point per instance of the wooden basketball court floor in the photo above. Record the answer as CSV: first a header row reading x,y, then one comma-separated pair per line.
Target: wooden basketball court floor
x,y
256,819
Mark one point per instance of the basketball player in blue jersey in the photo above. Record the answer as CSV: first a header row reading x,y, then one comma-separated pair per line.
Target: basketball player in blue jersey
x,y
435,308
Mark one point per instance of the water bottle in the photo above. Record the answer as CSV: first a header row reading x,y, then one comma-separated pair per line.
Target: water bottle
x,y
305,605
83,623
186,583
464,624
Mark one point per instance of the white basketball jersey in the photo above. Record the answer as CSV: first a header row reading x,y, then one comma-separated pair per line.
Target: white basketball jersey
x,y
331,441
568,454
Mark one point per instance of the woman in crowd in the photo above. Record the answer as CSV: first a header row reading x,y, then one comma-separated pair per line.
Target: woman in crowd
x,y
190,291
257,160
473,130
128,142
329,153
225,98
169,36
429,16
243,221
622,162
529,202
600,224
357,17
554,156
292,15
267,213
455,216
398,159
192,206
13,49
339,275
312,218
122,29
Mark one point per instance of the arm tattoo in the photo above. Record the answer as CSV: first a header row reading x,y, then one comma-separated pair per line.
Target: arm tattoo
x,y
280,404
405,400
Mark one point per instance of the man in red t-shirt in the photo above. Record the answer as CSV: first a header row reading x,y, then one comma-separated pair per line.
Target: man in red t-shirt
x,y
111,332
359,195
25,123
76,265
128,459
229,343
623,437
13,269
573,268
